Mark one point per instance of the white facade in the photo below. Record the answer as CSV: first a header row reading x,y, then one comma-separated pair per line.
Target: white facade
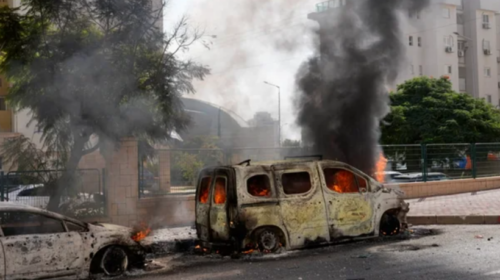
x,y
460,39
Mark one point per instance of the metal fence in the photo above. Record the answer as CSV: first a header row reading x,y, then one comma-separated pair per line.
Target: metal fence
x,y
85,197
173,172
444,161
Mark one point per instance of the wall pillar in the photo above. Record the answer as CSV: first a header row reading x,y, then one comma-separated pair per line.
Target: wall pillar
x,y
164,170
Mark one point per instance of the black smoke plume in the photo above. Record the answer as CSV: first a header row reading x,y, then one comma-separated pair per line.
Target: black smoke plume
x,y
343,90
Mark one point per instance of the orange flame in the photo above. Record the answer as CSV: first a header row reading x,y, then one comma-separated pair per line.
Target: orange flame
x,y
141,232
380,168
344,182
220,191
259,190
204,190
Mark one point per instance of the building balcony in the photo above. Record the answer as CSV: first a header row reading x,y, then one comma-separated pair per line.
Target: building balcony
x,y
327,5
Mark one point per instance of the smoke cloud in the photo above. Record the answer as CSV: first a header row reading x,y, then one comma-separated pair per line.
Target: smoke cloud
x,y
342,93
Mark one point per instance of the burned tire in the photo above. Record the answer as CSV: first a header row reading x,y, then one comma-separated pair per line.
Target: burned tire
x,y
389,225
268,240
114,261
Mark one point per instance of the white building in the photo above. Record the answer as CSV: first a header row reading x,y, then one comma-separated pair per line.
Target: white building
x,y
457,38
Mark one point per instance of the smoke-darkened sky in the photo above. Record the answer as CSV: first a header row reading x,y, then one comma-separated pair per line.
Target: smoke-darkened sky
x,y
256,41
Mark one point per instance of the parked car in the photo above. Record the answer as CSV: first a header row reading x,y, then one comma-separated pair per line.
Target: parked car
x,y
293,204
418,177
38,244
389,176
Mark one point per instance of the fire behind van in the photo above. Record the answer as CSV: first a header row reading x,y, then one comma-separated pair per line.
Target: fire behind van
x,y
293,204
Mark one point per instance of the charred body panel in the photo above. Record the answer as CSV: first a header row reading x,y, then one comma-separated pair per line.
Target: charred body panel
x,y
301,202
58,247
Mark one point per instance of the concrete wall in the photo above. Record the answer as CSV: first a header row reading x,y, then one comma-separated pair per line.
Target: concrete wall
x,y
122,191
429,189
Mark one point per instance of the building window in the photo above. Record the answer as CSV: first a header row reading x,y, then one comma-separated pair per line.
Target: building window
x,y
259,186
448,69
412,70
461,45
488,97
449,41
296,183
460,18
410,39
487,72
420,70
3,106
486,18
419,41
486,45
446,12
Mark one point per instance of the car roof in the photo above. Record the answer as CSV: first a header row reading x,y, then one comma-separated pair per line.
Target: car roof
x,y
9,206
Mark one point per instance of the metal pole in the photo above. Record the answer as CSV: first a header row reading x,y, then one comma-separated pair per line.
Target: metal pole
x,y
279,110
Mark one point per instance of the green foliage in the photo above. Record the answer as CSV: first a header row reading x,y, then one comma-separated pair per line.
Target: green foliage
x,y
427,110
195,154
95,68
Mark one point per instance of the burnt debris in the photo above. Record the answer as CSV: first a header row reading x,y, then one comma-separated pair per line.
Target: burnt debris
x,y
342,93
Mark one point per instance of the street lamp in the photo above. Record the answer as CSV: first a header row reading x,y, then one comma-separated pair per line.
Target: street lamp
x,y
279,109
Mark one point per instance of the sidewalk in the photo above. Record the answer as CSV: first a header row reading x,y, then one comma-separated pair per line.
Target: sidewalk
x,y
469,208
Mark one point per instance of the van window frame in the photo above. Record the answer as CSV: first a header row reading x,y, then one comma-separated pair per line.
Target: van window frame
x,y
356,176
305,194
271,182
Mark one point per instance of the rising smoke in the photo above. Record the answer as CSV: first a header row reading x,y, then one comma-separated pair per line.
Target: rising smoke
x,y
343,90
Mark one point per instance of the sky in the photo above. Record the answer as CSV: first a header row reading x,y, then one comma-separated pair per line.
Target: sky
x,y
255,41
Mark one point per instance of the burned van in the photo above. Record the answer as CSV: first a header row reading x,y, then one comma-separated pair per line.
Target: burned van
x,y
293,204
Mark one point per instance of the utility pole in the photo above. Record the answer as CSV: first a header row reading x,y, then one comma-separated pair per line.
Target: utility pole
x,y
279,109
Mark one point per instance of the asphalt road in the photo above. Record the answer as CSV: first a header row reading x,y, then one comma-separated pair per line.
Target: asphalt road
x,y
453,252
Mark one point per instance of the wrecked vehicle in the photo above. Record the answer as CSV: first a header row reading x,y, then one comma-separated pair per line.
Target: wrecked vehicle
x,y
38,244
293,204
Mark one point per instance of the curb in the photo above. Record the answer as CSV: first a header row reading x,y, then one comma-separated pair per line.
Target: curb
x,y
455,220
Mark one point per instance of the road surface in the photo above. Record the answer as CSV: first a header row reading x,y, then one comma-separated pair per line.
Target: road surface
x,y
439,252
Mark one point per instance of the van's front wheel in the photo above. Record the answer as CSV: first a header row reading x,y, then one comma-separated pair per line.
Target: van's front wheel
x,y
268,240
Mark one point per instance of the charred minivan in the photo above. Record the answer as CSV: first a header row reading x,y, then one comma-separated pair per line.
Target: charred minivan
x,y
293,204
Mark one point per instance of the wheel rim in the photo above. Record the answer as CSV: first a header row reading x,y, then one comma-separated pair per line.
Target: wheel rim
x,y
268,240
114,262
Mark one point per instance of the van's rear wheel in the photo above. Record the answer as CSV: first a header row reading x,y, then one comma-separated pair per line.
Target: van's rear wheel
x,y
268,240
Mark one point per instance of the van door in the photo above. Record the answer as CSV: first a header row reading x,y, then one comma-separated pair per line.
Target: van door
x,y
301,204
218,219
349,204
203,194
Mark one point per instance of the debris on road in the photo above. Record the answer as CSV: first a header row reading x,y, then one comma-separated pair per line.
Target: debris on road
x,y
479,236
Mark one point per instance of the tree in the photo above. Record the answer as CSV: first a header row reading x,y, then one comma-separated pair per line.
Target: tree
x,y
95,68
427,111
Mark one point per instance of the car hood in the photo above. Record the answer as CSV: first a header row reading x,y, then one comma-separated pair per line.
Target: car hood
x,y
111,227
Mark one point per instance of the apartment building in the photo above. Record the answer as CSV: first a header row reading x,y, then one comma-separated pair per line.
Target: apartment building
x,y
456,38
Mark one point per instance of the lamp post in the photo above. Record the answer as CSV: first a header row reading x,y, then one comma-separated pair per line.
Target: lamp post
x,y
279,109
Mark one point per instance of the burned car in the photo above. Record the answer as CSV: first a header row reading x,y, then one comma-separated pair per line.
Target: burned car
x,y
293,204
39,244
